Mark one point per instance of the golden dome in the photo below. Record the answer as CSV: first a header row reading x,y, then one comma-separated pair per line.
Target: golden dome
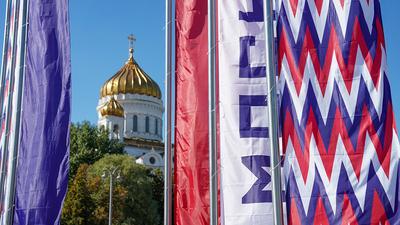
x,y
131,79
112,108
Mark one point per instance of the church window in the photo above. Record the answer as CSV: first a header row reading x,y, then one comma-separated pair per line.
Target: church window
x,y
134,128
156,130
152,160
116,131
161,131
147,124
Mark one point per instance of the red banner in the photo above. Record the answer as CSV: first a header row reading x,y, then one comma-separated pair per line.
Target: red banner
x,y
191,132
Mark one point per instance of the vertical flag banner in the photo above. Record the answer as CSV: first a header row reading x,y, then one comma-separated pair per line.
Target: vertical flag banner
x,y
338,128
41,176
246,189
191,169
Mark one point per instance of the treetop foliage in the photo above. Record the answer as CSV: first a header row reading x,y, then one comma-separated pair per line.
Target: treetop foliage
x,y
89,144
135,198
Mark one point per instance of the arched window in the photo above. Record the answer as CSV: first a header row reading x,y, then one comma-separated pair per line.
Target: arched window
x,y
161,130
156,130
152,160
116,131
147,124
134,128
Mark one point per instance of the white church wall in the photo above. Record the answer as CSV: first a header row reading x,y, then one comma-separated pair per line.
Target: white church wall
x,y
138,152
142,106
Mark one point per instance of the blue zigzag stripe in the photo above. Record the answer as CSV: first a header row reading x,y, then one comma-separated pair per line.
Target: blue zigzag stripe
x,y
325,130
356,12
344,187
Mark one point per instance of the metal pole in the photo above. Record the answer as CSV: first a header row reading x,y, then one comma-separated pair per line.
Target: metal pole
x,y
2,91
16,117
273,115
212,113
110,206
4,117
168,115
7,109
5,49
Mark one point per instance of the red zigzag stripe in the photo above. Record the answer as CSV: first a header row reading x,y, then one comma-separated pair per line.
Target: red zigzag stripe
x,y
322,73
327,154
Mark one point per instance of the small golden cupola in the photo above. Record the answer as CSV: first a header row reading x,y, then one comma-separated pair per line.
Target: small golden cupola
x,y
112,108
131,79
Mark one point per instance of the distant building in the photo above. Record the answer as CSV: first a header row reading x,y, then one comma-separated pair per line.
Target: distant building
x,y
130,107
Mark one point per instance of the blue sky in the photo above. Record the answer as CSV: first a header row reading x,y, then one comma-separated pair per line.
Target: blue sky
x,y
391,19
99,31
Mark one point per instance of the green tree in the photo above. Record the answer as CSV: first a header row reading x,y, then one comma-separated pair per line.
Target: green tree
x,y
89,144
157,179
133,197
78,206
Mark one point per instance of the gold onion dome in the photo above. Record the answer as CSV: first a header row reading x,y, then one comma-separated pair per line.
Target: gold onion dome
x,y
112,108
131,79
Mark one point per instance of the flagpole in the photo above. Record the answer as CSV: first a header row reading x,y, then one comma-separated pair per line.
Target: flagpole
x,y
16,117
273,115
8,107
5,48
168,115
212,113
3,99
2,84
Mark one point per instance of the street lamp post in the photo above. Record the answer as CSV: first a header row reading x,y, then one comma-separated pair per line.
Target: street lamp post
x,y
111,172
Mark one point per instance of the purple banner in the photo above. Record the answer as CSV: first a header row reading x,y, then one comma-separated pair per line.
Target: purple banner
x,y
43,157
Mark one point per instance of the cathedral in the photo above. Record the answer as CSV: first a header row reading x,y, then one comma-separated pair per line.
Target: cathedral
x,y
130,107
